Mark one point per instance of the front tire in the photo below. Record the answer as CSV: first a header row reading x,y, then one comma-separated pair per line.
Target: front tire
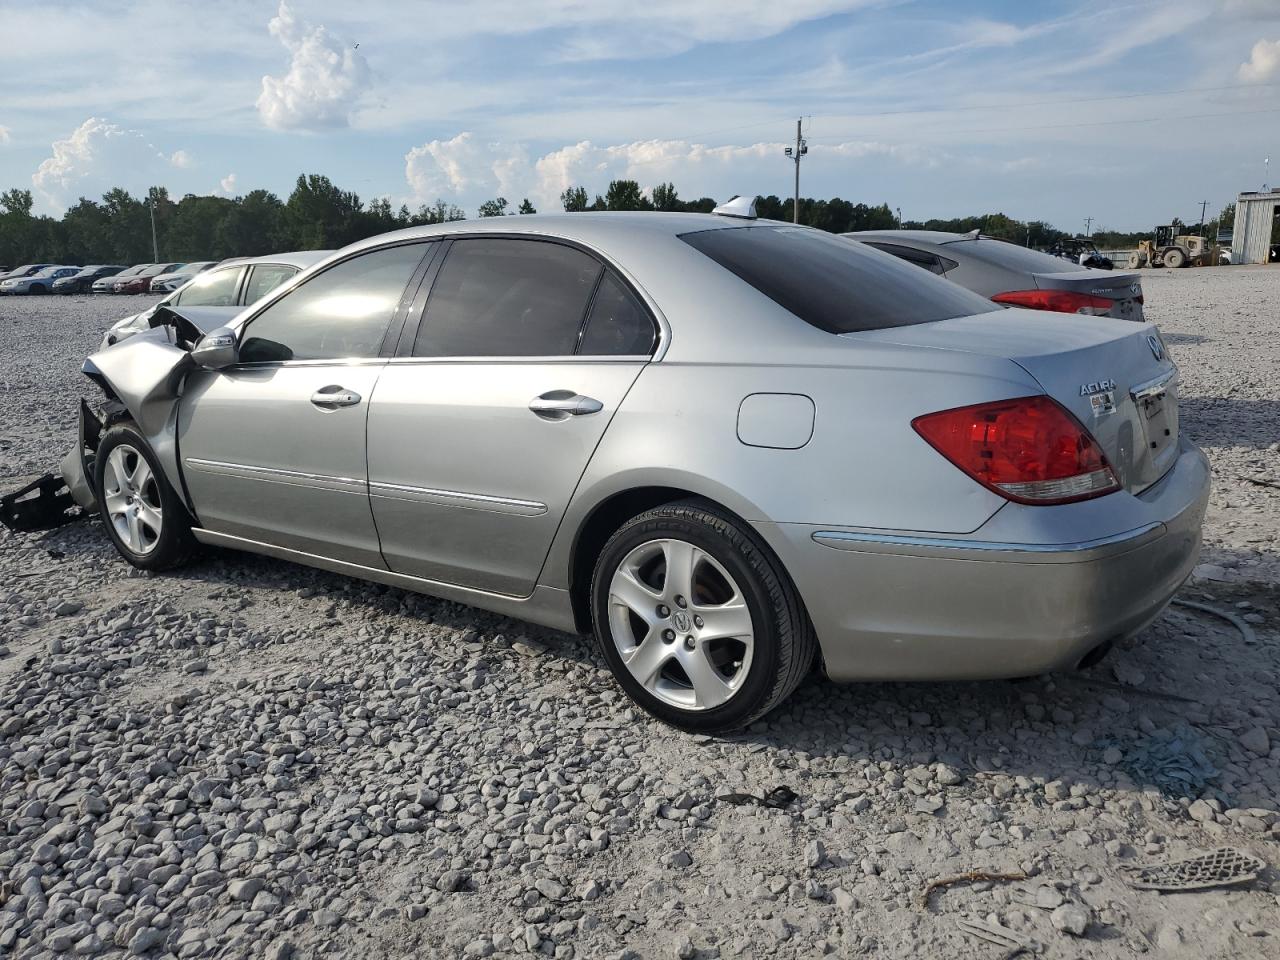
x,y
145,518
697,620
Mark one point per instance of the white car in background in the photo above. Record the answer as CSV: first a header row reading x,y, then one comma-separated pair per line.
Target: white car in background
x,y
224,290
170,282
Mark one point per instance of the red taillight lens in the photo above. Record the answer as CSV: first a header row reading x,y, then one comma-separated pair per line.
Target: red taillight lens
x,y
1029,450
1063,301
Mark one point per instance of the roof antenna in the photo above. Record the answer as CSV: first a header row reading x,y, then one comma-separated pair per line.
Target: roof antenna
x,y
744,208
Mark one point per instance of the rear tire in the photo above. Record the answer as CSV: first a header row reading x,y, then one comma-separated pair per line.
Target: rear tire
x,y
716,644
145,518
1175,258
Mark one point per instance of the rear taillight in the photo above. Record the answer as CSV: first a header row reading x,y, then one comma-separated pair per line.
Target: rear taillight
x,y
1029,450
1062,301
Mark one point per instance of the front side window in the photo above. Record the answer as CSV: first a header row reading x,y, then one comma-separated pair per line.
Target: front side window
x,y
834,284
265,277
507,298
342,312
619,325
213,288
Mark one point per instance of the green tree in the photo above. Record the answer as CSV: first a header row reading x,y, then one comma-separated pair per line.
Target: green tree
x,y
666,198
319,216
526,206
574,200
625,195
494,208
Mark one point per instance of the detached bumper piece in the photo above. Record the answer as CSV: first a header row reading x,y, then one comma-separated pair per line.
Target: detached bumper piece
x,y
41,505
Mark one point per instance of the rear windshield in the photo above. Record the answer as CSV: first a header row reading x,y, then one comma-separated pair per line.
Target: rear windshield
x,y
833,284
1005,254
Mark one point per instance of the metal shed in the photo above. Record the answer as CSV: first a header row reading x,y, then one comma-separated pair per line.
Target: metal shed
x,y
1251,236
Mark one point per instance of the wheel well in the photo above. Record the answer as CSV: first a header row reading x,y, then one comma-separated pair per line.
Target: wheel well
x,y
599,526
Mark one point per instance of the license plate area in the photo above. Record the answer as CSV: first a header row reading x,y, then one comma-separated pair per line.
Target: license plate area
x,y
1157,403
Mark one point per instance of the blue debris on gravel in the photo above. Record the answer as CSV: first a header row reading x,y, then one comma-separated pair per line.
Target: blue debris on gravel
x,y
1176,762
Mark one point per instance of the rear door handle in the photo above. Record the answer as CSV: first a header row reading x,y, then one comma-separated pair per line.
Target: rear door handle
x,y
334,396
563,404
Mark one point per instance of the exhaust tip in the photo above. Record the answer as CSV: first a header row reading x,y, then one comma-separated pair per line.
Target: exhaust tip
x,y
1096,655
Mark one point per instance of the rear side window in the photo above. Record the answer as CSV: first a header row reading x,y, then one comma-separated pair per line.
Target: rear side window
x,y
341,313
836,285
265,277
930,261
213,288
619,325
507,298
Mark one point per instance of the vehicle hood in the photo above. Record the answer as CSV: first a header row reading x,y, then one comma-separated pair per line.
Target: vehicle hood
x,y
1114,376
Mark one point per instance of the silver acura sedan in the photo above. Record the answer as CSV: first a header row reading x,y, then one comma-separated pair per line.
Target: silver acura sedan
x,y
732,449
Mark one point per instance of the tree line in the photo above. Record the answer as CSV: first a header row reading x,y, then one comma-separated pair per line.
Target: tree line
x,y
319,215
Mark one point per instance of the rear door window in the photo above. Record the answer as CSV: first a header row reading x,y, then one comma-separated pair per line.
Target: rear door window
x,y
213,288
836,285
265,277
619,324
497,297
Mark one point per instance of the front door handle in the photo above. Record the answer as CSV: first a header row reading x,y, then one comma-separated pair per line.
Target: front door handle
x,y
332,397
563,404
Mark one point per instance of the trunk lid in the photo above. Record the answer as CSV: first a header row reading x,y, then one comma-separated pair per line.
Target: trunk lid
x,y
1123,288
1115,378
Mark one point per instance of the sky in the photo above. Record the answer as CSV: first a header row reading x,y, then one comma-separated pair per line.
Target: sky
x,y
1130,113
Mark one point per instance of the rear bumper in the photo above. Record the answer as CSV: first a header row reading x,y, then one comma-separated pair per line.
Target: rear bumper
x,y
890,606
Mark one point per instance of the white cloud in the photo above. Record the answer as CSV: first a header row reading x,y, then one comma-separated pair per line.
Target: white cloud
x,y
5,136
467,171
97,156
325,82
181,159
1263,62
228,184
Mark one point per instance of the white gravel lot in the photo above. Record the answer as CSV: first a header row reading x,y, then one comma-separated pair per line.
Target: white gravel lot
x,y
249,758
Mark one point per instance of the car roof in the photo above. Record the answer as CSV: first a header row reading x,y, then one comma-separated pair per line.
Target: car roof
x,y
294,258
588,227
912,236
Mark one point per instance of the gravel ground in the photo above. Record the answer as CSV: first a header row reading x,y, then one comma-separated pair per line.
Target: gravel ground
x,y
251,758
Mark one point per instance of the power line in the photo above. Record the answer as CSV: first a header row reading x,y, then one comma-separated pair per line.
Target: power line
x,y
1015,105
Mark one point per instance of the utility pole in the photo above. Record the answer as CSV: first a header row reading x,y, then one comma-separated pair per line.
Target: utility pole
x,y
151,204
1203,205
795,153
1088,226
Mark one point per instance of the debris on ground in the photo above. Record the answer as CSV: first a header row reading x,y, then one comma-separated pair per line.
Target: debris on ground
x,y
972,876
1175,761
1223,867
779,798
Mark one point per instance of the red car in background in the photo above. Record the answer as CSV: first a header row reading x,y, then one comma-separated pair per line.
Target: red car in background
x,y
141,283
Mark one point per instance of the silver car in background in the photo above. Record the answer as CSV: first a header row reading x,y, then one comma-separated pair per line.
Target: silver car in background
x,y
223,290
1013,275
731,449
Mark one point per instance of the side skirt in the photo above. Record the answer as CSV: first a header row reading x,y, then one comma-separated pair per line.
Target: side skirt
x,y
546,606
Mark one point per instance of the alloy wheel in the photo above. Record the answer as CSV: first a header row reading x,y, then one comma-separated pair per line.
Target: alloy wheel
x,y
681,624
131,493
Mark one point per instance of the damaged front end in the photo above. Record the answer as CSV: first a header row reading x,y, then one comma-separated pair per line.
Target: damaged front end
x,y
141,379
63,497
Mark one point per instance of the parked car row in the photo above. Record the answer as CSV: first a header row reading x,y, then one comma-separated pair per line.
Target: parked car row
x,y
42,278
734,450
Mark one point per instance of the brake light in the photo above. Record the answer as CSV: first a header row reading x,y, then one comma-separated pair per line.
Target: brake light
x,y
1029,450
1062,301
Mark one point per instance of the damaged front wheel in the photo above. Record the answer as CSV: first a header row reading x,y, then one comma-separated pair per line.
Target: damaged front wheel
x,y
144,517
